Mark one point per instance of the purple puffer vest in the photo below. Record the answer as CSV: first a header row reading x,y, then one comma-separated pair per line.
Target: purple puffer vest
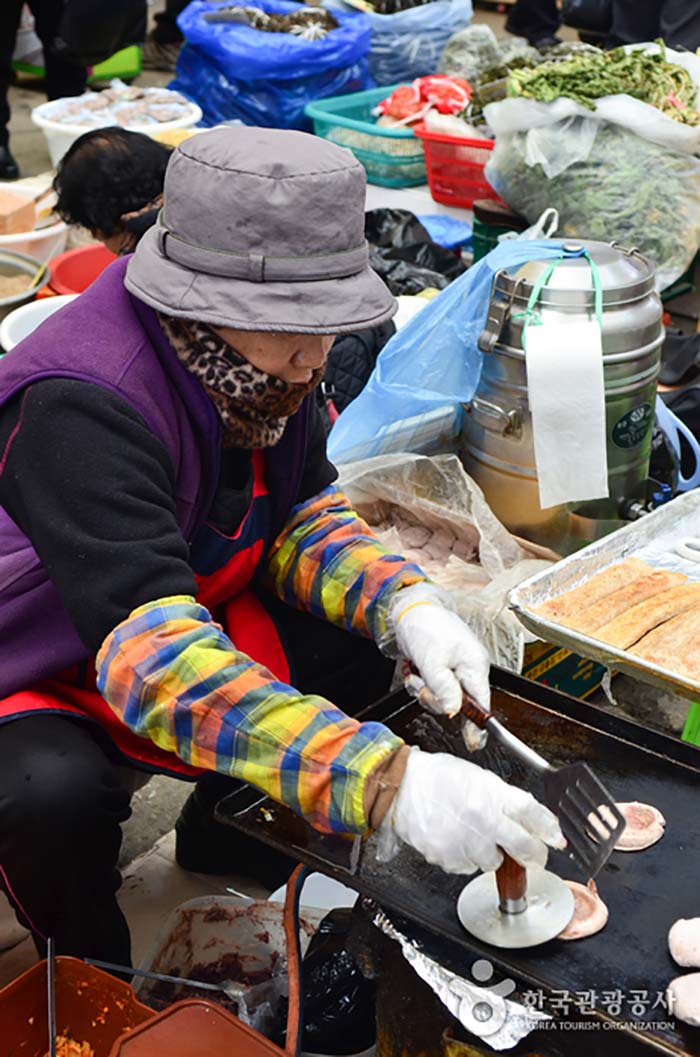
x,y
110,338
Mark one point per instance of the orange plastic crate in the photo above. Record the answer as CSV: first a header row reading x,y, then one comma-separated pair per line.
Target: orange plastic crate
x,y
455,167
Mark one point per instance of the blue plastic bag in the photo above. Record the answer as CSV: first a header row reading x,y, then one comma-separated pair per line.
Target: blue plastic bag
x,y
434,360
410,43
236,72
447,231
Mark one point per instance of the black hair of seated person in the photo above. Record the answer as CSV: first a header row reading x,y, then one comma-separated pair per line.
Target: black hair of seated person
x,y
108,172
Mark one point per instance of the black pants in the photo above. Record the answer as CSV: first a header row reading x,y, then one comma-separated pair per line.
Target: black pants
x,y
63,796
534,19
166,29
676,21
62,78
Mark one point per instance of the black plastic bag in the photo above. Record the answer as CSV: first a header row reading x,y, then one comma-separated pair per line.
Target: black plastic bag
x,y
91,31
393,227
664,463
339,1003
403,254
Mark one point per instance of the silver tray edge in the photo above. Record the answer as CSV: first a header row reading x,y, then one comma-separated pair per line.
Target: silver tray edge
x,y
570,571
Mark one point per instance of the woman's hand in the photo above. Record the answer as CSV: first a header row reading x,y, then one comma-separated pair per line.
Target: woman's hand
x,y
449,658
461,817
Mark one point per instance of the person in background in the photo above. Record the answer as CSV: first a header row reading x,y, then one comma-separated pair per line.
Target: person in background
x,y
110,181
677,22
62,77
537,21
163,43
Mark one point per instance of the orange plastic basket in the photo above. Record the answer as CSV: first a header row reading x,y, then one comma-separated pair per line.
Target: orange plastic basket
x,y
91,1006
455,167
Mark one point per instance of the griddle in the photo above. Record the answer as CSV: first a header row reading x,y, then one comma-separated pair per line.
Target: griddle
x,y
645,891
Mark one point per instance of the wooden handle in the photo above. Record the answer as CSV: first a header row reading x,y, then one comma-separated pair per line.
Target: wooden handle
x,y
470,710
511,881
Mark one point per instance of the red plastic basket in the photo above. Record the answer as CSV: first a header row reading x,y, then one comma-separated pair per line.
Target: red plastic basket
x,y
455,167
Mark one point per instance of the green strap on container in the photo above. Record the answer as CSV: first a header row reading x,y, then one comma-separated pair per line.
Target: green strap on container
x,y
691,731
530,315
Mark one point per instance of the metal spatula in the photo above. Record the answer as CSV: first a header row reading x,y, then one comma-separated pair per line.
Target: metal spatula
x,y
589,817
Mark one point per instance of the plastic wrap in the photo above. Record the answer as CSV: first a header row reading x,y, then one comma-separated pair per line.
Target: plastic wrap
x,y
623,172
469,52
430,511
409,44
434,360
266,79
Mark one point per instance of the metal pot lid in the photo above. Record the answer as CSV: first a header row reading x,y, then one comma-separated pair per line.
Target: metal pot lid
x,y
625,276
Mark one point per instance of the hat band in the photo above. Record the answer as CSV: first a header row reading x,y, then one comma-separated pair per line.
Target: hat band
x,y
259,267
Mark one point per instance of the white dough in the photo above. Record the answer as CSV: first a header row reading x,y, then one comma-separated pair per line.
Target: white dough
x,y
414,535
683,997
466,550
440,545
684,942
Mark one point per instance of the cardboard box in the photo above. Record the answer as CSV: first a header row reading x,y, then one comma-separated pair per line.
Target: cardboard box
x,y
561,669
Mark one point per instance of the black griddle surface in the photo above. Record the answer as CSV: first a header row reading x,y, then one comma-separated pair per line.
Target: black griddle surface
x,y
645,891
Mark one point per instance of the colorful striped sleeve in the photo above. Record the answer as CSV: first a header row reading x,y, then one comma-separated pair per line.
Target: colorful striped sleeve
x,y
327,562
172,675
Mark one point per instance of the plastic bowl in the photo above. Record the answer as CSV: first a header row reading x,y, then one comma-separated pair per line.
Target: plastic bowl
x,y
60,136
43,243
20,323
11,263
73,271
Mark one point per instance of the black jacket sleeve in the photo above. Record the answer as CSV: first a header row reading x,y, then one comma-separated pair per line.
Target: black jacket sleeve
x,y
93,489
319,471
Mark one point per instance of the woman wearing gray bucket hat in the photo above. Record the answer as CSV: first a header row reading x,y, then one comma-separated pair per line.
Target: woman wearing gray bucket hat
x,y
185,588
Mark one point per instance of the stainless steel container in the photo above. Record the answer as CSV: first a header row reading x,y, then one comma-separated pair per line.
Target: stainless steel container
x,y
497,443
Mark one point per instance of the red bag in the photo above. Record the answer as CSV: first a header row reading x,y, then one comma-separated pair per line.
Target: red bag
x,y
410,102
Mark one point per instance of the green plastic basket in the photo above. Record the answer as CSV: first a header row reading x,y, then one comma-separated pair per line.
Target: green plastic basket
x,y
125,64
392,157
485,238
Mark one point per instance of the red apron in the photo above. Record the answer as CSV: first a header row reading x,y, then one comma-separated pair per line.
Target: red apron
x,y
224,591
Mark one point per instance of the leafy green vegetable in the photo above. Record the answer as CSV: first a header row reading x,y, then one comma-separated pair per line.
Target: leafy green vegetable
x,y
627,190
589,76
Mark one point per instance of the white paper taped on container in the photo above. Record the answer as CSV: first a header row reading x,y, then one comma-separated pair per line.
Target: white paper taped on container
x,y
566,394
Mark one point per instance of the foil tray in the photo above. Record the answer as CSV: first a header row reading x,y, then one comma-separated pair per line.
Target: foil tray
x,y
653,539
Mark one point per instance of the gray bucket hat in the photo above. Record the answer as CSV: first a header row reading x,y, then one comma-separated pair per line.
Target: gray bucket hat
x,y
262,229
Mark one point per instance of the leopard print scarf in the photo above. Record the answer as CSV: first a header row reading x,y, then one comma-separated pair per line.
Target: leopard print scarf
x,y
253,406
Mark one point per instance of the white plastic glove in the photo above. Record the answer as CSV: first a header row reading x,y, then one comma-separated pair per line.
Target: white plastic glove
x,y
458,815
448,656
